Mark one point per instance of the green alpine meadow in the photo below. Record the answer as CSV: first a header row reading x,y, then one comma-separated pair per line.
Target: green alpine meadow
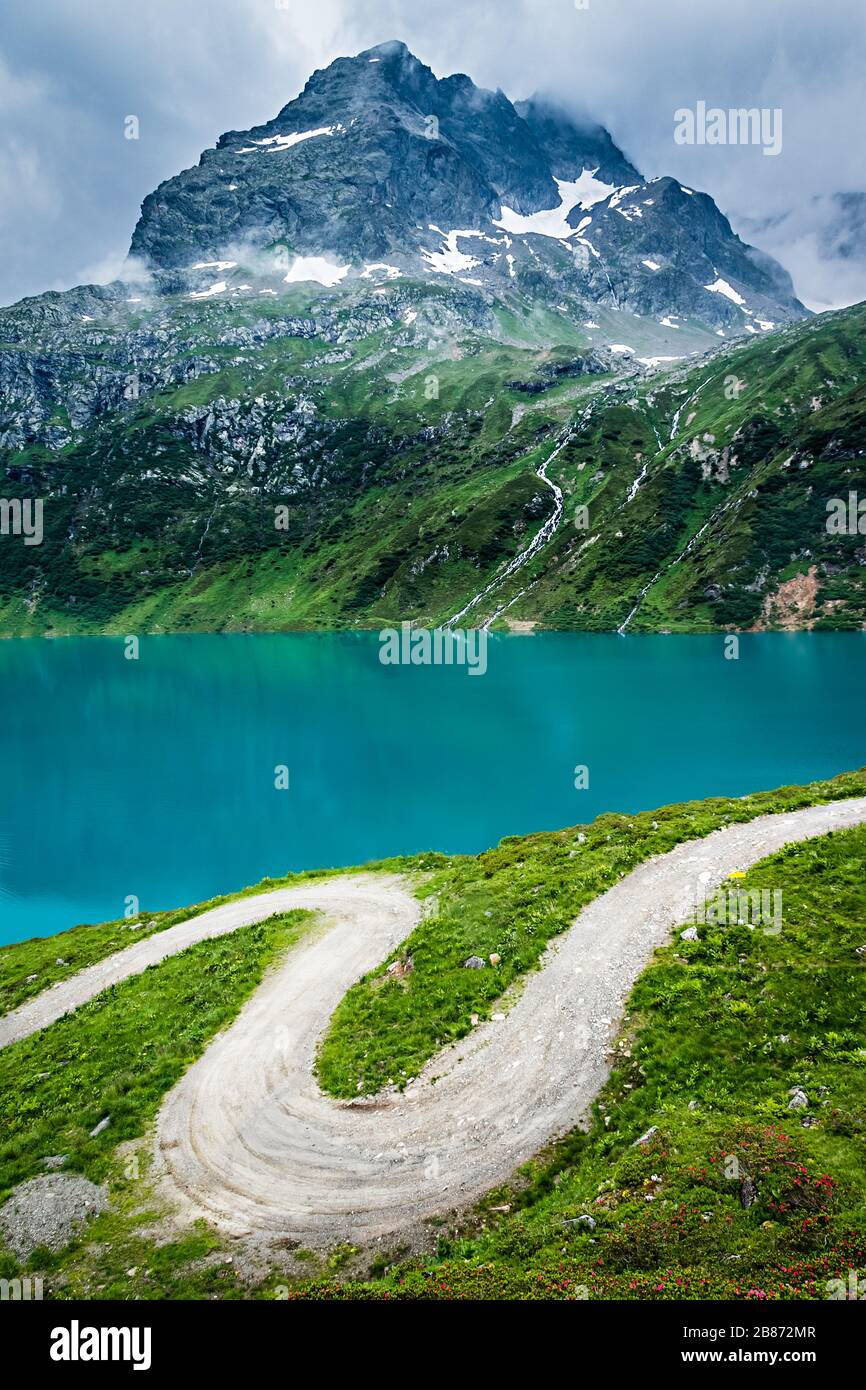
x,y
295,485
693,1177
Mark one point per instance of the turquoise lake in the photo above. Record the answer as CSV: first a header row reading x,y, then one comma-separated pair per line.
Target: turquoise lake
x,y
155,777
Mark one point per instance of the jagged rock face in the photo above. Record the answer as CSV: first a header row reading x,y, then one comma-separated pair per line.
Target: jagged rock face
x,y
379,160
403,147
397,148
661,245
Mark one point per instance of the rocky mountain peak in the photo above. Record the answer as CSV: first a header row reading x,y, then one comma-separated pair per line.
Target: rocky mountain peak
x,y
380,162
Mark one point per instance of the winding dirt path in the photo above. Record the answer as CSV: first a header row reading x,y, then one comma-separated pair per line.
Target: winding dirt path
x,y
247,1139
378,905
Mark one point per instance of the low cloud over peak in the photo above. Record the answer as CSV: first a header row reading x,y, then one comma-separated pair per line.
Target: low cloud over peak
x,y
73,71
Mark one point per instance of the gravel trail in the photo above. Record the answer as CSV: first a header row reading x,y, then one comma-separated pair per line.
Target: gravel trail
x,y
247,1139
346,894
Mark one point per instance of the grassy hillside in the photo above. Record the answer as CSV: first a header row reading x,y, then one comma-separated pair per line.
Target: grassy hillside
x,y
728,527
734,1195
401,444
718,1031
509,901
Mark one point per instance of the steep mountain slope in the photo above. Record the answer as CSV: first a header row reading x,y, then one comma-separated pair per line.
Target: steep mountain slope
x,y
382,346
331,460
378,160
706,495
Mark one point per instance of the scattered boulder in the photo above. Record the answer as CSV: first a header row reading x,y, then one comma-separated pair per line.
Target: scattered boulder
x,y
103,1124
748,1193
799,1100
473,963
48,1210
645,1138
690,934
398,969
588,1221
54,1160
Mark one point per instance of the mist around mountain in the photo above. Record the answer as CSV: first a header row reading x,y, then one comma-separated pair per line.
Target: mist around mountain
x,y
378,161
371,358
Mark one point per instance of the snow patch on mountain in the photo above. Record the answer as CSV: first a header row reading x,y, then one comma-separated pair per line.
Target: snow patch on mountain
x,y
218,287
722,287
285,142
391,272
451,260
584,193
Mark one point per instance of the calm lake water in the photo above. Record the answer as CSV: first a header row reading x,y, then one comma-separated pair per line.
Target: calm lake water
x,y
155,777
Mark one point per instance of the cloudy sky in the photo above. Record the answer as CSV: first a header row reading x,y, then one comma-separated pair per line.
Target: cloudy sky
x,y
72,71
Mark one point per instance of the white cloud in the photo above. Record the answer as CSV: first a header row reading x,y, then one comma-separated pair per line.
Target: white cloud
x,y
70,185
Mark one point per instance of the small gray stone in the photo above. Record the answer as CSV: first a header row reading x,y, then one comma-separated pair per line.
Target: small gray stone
x,y
690,934
103,1124
799,1100
473,963
645,1138
748,1193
